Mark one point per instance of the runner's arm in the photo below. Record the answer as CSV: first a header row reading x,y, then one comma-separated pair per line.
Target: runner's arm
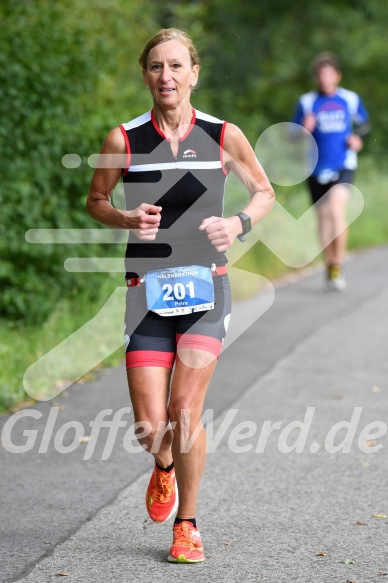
x,y
145,219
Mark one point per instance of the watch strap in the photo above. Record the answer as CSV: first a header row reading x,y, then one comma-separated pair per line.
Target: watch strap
x,y
246,225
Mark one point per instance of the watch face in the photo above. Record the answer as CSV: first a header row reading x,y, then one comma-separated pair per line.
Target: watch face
x,y
246,222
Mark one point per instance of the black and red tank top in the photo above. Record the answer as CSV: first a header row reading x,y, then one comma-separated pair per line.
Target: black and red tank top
x,y
189,187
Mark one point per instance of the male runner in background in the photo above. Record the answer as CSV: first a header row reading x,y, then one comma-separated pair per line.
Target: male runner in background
x,y
330,113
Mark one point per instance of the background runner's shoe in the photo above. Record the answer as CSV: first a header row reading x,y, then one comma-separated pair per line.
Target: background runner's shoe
x,y
161,496
335,278
187,545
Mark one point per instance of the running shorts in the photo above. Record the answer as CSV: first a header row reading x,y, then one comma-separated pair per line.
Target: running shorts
x,y
152,340
317,190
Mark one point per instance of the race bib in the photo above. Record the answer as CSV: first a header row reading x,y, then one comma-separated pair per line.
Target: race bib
x,y
179,290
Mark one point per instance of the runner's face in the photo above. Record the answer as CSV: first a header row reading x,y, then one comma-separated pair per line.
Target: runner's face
x,y
327,79
169,74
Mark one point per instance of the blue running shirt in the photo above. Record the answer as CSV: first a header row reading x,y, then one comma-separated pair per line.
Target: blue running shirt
x,y
336,115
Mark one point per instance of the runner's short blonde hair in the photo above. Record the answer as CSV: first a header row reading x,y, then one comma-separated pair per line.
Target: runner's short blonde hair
x,y
164,35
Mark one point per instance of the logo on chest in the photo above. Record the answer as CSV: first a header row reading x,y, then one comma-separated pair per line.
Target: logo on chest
x,y
189,154
333,121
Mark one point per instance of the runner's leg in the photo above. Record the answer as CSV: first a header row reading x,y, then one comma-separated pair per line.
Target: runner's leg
x,y
149,388
325,231
188,390
337,203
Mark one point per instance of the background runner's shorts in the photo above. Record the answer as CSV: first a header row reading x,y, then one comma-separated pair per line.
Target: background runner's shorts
x,y
317,190
152,340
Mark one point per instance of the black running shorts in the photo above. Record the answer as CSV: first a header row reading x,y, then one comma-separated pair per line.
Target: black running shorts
x,y
152,340
317,190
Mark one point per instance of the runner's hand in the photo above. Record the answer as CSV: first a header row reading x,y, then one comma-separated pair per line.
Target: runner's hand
x,y
221,232
310,122
144,221
355,142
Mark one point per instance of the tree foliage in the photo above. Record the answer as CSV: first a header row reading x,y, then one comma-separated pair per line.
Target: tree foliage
x,y
55,64
69,73
257,57
46,71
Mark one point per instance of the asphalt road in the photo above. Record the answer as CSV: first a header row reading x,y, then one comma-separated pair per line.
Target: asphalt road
x,y
269,513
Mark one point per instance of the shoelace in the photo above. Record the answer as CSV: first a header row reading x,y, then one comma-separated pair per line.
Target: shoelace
x,y
183,536
163,484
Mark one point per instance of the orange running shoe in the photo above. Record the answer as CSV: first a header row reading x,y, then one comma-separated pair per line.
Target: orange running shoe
x,y
187,545
161,496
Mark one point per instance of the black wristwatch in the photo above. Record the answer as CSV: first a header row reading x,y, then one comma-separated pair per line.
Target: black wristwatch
x,y
246,225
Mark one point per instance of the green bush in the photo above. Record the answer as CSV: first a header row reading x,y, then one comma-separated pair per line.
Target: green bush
x,y
48,68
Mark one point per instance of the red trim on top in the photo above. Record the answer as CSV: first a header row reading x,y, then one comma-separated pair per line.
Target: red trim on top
x,y
220,270
194,117
192,122
124,171
222,147
157,127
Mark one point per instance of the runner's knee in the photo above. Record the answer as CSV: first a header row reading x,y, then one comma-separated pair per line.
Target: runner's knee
x,y
153,435
184,411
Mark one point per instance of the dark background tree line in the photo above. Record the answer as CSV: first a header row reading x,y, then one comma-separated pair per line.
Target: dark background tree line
x,y
69,73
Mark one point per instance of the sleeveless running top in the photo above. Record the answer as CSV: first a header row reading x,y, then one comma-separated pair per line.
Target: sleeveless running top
x,y
189,188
